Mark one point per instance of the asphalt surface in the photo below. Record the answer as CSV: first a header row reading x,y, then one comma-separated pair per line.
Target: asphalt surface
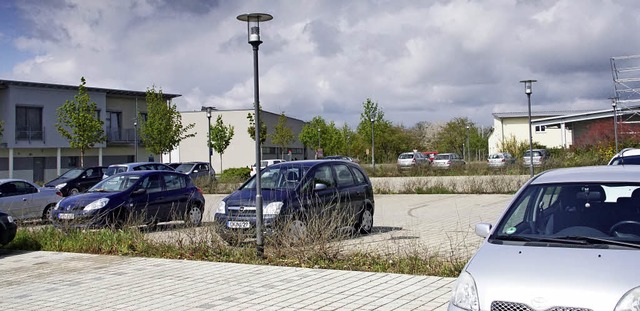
x,y
403,223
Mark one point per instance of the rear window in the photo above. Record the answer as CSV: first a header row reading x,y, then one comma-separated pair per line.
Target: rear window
x,y
406,156
442,157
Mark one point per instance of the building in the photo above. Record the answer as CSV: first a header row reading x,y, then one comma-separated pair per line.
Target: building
x,y
241,151
31,148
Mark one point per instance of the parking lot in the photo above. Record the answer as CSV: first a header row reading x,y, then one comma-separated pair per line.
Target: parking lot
x,y
403,223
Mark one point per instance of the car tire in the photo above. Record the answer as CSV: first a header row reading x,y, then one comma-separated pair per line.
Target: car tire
x,y
193,216
74,191
46,214
365,225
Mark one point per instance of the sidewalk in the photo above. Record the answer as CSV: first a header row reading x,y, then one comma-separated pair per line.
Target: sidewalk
x,y
68,281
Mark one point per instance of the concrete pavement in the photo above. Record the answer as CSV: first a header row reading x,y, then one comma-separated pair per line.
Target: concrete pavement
x,y
403,223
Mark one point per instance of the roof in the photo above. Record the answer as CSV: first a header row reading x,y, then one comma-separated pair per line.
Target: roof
x,y
586,174
519,114
585,116
7,83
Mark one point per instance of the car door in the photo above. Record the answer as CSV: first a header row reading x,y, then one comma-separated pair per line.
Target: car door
x,y
320,192
149,205
12,201
177,197
88,178
351,194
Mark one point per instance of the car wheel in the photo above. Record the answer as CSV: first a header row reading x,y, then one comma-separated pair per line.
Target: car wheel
x,y
193,216
46,214
366,221
74,191
296,230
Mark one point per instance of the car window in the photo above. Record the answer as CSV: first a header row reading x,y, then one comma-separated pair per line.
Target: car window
x,y
345,178
174,181
323,175
152,183
406,156
25,188
626,160
8,189
359,176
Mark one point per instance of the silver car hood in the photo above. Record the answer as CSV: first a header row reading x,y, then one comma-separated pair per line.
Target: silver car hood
x,y
544,277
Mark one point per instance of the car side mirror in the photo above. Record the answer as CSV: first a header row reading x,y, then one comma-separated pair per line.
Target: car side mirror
x,y
483,229
319,187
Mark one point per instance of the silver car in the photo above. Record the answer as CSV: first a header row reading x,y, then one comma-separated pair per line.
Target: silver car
x,y
26,200
500,159
570,240
447,160
409,160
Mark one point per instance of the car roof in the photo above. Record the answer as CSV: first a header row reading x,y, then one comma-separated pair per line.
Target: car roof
x,y
147,172
134,164
628,152
4,180
603,173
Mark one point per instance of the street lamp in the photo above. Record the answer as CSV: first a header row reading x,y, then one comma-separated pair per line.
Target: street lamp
x,y
373,153
527,90
253,35
468,147
318,150
135,139
208,110
615,121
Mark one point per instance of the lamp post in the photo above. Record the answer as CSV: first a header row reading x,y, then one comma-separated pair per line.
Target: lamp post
x,y
135,139
318,150
615,121
527,90
253,35
468,147
373,152
208,110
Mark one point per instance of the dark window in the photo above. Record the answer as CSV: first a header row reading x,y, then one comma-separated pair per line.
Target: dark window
x,y
29,123
359,176
113,120
174,181
152,183
344,176
323,176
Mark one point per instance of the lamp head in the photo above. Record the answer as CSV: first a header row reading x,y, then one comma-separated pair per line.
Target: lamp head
x,y
613,103
527,86
253,25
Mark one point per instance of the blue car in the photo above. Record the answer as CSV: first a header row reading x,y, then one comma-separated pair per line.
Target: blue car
x,y
133,198
8,228
295,192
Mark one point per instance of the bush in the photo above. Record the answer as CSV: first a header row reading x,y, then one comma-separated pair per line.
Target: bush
x,y
235,175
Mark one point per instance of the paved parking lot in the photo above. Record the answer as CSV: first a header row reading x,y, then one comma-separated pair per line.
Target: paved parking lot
x,y
67,281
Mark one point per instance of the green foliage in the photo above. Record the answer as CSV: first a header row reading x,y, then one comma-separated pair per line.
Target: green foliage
x,y
252,126
221,136
235,174
163,130
312,133
1,128
514,147
283,135
78,122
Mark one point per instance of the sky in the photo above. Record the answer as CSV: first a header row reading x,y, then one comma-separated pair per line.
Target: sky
x,y
420,61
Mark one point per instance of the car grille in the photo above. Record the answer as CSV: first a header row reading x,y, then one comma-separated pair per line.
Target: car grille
x,y
514,306
241,211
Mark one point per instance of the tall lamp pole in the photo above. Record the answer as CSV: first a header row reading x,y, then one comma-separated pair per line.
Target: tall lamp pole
x,y
253,32
615,121
468,147
318,150
373,152
527,90
135,138
208,110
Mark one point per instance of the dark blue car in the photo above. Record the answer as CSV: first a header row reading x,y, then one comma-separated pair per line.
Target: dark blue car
x,y
8,228
133,198
295,192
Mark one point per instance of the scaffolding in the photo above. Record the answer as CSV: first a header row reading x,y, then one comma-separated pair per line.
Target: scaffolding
x,y
626,85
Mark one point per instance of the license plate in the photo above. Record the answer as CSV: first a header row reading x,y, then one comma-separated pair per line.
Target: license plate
x,y
238,224
66,216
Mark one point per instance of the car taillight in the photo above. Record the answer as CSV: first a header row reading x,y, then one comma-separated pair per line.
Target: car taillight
x,y
413,161
449,162
58,193
502,160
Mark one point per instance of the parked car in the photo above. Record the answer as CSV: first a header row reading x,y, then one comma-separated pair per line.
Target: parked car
x,y
431,155
540,157
447,160
265,163
409,160
25,200
136,166
174,165
136,197
570,240
626,156
295,192
8,228
501,159
196,169
77,180
339,157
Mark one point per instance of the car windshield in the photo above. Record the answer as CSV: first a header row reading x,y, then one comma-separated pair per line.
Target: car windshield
x,y
535,153
608,211
279,177
406,156
115,183
184,168
495,156
635,160
72,173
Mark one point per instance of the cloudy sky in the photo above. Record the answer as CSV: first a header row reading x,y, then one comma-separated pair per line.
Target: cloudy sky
x,y
419,60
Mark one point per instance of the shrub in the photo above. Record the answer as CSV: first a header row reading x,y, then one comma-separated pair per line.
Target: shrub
x,y
235,175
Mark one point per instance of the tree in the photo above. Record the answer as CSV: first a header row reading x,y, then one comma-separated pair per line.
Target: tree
x,y
163,129
1,128
312,134
221,136
283,135
78,122
252,126
453,135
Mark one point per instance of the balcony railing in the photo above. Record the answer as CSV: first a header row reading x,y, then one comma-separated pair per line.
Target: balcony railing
x,y
122,136
30,135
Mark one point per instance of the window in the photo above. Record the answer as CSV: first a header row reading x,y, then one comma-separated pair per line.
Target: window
x,y
174,181
344,176
323,176
113,120
541,128
152,184
29,123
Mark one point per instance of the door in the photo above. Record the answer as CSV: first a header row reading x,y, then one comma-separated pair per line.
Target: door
x,y
148,206
38,169
11,201
177,195
321,193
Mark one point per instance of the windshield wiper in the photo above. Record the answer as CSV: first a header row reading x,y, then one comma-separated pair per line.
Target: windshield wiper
x,y
601,241
539,239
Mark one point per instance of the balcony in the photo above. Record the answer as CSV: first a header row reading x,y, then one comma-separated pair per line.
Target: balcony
x,y
122,137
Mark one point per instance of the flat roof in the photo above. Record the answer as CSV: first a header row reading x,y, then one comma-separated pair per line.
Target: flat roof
x,y
7,83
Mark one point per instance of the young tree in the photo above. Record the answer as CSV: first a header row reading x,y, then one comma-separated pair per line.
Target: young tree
x,y
283,135
163,130
78,122
221,136
312,134
252,126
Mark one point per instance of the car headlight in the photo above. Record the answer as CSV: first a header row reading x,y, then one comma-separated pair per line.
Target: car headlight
x,y
97,204
221,207
630,301
465,293
60,186
10,219
273,208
